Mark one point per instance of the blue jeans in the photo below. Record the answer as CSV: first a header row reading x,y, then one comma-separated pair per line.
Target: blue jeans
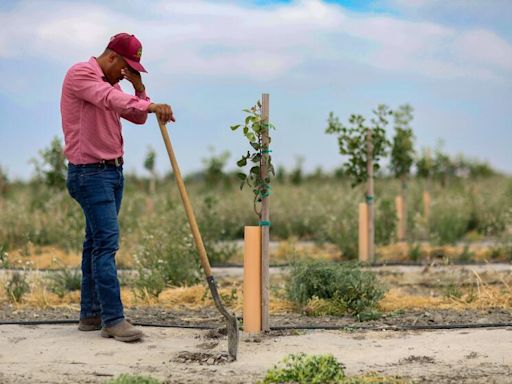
x,y
99,191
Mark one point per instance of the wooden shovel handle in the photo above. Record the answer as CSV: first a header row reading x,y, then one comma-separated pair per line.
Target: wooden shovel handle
x,y
186,202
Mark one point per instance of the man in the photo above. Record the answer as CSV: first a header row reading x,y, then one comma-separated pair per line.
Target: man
x,y
92,105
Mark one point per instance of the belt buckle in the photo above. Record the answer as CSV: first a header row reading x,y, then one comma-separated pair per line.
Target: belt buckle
x,y
117,162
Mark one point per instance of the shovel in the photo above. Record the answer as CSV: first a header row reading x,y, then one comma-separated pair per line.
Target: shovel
x,y
231,321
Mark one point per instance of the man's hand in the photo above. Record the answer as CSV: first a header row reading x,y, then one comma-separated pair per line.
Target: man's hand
x,y
133,77
163,112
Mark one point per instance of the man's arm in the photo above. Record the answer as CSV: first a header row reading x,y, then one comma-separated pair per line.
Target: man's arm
x,y
86,85
138,117
163,111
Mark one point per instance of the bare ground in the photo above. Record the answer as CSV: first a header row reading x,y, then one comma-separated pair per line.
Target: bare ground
x,y
61,354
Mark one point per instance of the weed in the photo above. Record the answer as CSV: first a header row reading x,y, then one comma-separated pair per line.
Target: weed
x,y
452,290
65,280
133,379
17,287
466,255
4,262
415,252
301,368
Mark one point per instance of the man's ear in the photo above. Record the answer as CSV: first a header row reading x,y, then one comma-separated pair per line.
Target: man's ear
x,y
112,56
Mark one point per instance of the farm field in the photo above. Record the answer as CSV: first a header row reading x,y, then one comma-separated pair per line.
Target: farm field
x,y
256,192
437,307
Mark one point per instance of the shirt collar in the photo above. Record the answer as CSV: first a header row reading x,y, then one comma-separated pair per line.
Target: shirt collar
x,y
96,67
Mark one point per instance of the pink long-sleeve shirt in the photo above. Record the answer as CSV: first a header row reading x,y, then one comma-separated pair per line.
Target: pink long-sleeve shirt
x,y
91,111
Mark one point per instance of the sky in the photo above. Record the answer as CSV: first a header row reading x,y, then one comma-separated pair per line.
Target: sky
x,y
451,60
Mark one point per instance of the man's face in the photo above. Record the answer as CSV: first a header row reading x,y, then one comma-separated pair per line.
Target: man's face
x,y
116,64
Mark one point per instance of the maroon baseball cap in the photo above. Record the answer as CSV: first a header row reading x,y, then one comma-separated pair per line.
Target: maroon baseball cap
x,y
129,47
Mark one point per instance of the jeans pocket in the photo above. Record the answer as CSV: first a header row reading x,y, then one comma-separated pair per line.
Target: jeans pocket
x,y
72,184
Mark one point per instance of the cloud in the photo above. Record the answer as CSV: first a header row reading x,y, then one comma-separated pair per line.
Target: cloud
x,y
486,48
222,39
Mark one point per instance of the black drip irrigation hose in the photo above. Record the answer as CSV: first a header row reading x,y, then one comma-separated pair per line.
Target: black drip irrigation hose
x,y
412,327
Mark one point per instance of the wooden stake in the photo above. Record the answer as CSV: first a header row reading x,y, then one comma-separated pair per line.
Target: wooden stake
x,y
400,218
363,232
265,217
426,204
252,279
370,198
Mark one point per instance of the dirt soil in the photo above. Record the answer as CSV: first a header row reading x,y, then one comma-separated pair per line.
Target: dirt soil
x,y
61,354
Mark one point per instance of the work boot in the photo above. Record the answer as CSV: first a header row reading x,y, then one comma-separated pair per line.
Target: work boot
x,y
122,331
90,324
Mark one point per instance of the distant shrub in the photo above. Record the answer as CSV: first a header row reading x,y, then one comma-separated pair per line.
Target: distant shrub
x,y
166,259
342,230
346,287
449,220
385,221
212,224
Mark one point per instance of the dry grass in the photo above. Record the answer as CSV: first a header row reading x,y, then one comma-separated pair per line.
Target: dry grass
x,y
198,297
401,252
47,257
193,297
480,296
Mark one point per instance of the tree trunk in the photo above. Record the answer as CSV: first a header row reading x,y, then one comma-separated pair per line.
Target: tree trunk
x,y
265,233
370,198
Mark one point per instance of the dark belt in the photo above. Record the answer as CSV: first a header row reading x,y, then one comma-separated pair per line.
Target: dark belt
x,y
103,163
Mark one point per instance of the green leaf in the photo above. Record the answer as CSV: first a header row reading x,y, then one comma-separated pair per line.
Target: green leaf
x,y
242,162
255,170
241,176
255,145
235,127
256,158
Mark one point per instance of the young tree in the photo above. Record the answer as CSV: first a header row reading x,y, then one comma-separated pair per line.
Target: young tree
x,y
297,174
364,146
4,182
424,170
402,157
256,129
425,164
149,165
443,168
258,177
214,168
52,168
